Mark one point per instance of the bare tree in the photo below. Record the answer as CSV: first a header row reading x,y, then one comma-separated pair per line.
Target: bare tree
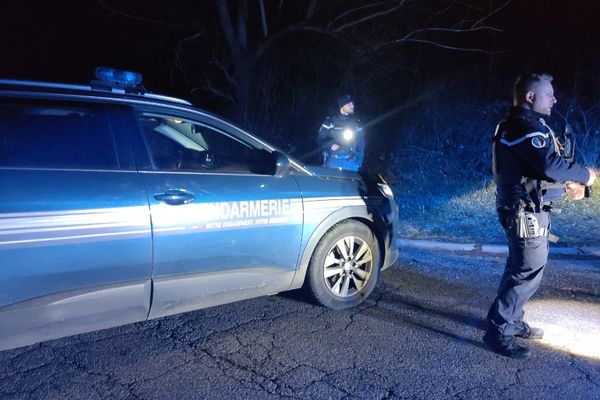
x,y
273,59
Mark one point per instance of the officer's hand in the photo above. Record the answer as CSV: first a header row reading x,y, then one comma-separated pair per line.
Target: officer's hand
x,y
590,182
576,190
335,146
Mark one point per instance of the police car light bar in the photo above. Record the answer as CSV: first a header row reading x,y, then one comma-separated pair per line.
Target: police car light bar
x,y
125,78
111,79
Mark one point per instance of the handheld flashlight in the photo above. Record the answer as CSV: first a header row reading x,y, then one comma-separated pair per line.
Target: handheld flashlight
x,y
348,134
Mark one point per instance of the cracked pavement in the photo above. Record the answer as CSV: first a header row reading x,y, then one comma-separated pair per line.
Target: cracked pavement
x,y
417,337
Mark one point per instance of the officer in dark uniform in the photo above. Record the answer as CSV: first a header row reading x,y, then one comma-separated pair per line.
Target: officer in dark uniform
x,y
530,172
341,138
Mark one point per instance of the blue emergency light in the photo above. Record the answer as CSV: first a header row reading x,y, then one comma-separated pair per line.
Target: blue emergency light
x,y
112,78
125,78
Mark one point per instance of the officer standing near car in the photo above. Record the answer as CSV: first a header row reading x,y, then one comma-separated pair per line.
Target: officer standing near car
x,y
527,156
341,138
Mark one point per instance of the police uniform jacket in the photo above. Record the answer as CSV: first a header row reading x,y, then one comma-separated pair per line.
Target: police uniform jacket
x,y
525,154
332,132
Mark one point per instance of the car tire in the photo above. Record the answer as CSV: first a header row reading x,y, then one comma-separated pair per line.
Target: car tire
x,y
344,267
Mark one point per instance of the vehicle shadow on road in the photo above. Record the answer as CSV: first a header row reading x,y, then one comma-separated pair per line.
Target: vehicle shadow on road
x,y
397,309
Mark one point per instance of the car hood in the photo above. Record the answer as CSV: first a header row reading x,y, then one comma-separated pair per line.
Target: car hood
x,y
333,172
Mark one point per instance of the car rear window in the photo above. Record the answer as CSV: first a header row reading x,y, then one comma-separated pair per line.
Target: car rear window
x,y
56,136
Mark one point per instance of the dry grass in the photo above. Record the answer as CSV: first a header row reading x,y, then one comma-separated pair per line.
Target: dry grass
x,y
469,216
441,173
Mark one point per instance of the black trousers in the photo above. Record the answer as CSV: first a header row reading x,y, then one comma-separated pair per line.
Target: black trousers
x,y
522,275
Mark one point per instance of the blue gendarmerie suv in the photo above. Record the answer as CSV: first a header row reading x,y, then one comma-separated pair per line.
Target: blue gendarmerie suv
x,y
119,206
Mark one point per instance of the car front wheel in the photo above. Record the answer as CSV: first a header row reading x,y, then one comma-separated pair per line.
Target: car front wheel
x,y
344,267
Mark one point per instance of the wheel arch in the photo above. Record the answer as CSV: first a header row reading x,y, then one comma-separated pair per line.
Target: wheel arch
x,y
357,213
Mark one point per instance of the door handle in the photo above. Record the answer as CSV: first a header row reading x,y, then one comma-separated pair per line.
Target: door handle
x,y
175,197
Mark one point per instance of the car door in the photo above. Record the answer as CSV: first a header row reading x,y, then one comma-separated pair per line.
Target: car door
x,y
224,227
75,236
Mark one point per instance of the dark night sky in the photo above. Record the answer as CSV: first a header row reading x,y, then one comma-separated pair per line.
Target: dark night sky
x,y
66,40
553,36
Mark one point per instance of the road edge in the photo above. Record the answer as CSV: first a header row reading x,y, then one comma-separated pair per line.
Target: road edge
x,y
492,248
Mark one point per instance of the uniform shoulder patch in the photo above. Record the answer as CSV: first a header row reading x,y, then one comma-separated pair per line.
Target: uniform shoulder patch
x,y
538,142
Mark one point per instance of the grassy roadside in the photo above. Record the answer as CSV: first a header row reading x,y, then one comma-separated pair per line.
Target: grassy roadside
x,y
468,215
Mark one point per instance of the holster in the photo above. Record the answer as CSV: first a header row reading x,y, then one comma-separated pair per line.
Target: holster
x,y
523,224
527,226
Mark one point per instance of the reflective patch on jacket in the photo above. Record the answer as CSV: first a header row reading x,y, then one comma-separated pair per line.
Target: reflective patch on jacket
x,y
540,136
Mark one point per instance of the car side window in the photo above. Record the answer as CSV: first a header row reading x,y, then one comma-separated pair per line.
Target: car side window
x,y
176,144
62,136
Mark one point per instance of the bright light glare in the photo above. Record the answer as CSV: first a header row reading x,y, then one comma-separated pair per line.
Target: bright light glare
x,y
348,134
568,325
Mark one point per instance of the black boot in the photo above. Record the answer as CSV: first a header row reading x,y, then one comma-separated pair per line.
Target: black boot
x,y
523,330
506,345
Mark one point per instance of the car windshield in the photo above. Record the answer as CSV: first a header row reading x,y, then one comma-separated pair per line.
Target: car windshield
x,y
190,135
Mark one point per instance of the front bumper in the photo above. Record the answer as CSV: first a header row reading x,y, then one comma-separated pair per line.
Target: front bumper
x,y
391,238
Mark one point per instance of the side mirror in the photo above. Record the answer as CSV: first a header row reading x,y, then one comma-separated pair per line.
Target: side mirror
x,y
282,164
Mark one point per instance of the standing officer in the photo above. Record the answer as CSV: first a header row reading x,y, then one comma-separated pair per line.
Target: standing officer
x,y
526,156
341,138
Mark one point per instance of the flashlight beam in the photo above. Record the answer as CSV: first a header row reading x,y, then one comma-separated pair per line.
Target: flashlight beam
x,y
393,111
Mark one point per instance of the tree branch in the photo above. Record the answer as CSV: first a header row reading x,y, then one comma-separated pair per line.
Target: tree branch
x,y
451,30
135,17
370,17
260,49
310,10
215,92
225,20
478,22
178,51
263,18
352,11
228,76
445,46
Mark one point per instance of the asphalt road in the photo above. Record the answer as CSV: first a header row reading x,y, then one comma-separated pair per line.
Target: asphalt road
x,y
417,337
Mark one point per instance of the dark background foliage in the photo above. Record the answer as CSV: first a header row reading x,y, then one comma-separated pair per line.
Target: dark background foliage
x,y
430,78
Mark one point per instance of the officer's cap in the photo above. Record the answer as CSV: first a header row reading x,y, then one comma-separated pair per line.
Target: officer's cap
x,y
343,100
